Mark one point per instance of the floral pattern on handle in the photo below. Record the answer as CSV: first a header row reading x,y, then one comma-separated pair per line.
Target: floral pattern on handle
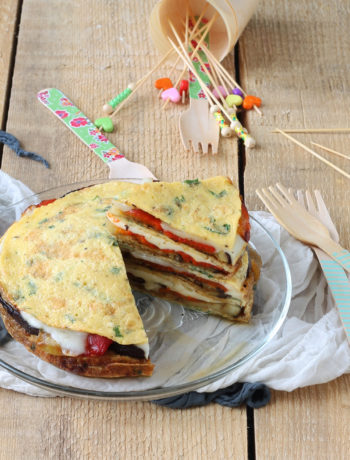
x,y
195,89
79,123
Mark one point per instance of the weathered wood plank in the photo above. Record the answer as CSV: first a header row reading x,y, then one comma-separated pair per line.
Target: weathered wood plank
x,y
64,428
91,50
8,15
91,53
295,55
311,422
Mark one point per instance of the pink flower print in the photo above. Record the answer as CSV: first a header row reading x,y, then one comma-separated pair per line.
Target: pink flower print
x,y
62,113
78,122
102,138
112,154
93,132
201,94
65,102
113,151
93,146
43,96
207,67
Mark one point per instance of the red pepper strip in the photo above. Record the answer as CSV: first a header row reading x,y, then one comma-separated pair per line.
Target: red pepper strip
x,y
97,345
185,257
44,203
147,219
199,246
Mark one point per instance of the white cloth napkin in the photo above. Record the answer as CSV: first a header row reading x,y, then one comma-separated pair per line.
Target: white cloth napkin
x,y
310,348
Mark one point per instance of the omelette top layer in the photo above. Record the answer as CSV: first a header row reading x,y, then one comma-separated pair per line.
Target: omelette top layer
x,y
62,264
209,209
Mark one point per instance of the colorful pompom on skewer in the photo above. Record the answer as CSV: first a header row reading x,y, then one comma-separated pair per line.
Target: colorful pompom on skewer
x,y
238,92
163,83
220,93
234,100
172,94
251,101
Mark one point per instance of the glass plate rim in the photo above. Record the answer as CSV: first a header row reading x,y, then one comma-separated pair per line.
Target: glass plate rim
x,y
158,392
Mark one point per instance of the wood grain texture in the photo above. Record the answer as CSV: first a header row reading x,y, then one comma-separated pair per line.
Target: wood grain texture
x,y
311,422
8,16
295,55
64,428
91,50
92,53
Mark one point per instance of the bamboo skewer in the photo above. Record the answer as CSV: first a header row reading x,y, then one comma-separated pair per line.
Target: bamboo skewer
x,y
193,33
186,59
280,131
142,81
347,157
206,71
217,73
239,130
314,130
226,73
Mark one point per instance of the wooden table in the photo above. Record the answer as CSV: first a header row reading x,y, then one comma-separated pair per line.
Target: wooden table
x,y
296,56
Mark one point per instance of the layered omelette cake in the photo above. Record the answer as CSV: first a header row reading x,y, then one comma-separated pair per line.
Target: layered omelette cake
x,y
67,265
187,242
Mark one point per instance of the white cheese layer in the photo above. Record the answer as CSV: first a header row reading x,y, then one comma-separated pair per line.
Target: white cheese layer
x,y
73,343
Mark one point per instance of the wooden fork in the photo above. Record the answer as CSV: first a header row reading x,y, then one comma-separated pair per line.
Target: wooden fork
x,y
335,275
198,128
301,224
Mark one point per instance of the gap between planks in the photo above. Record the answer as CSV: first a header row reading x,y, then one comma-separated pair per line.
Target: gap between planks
x,y
10,71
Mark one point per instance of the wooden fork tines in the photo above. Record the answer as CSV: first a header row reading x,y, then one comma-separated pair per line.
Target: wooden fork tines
x,y
198,127
300,223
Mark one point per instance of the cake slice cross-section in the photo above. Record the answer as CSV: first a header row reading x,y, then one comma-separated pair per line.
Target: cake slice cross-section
x,y
187,242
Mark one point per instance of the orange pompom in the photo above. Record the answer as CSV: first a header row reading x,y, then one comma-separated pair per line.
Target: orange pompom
x,y
250,101
163,83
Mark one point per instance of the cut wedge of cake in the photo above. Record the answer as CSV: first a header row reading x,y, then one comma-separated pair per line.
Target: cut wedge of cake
x,y
187,241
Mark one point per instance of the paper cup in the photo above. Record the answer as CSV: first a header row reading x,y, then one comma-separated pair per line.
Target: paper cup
x,y
233,17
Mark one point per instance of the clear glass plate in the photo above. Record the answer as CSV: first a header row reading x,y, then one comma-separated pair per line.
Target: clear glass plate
x,y
189,349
